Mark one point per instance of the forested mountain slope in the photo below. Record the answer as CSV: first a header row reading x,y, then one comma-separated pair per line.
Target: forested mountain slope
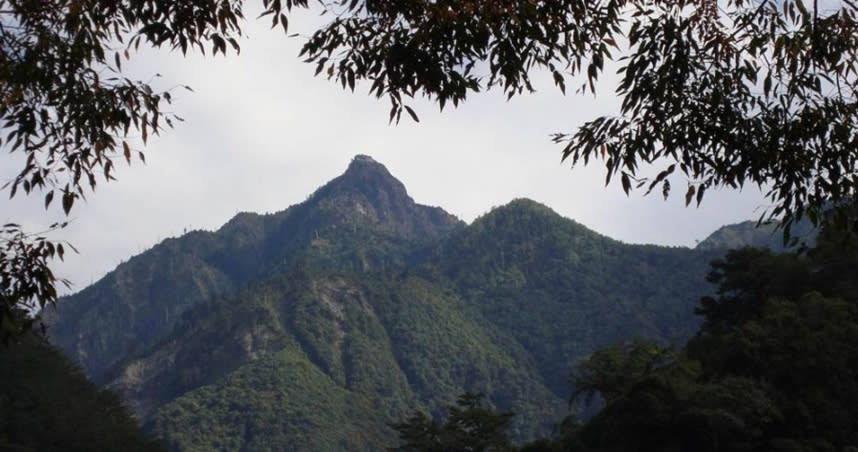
x,y
562,290
48,405
138,303
314,327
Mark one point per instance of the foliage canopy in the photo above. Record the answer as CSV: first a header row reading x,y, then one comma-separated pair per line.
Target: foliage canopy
x,y
47,404
772,367
470,426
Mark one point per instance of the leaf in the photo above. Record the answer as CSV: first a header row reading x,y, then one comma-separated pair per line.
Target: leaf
x,y
411,113
627,184
689,195
48,198
700,192
558,80
68,201
801,8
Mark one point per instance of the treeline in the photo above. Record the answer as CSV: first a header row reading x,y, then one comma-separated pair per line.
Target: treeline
x,y
773,367
47,405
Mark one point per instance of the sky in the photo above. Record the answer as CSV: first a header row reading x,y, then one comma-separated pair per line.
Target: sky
x,y
262,133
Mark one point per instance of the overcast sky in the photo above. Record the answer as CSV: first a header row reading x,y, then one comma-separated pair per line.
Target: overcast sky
x,y
261,133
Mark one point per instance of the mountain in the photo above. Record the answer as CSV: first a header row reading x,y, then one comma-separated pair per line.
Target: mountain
x,y
563,291
754,235
315,327
137,304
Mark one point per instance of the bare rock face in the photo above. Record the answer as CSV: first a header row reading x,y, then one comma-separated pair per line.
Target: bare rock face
x,y
367,194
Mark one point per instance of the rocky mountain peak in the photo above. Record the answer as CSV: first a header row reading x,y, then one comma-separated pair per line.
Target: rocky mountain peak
x,y
367,175
364,160
366,193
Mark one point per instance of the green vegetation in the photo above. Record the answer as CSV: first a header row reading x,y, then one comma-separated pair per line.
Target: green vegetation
x,y
341,316
772,367
380,303
279,402
386,346
470,426
48,405
562,290
758,92
363,219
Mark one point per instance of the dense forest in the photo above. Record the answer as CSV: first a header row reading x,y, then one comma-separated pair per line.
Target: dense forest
x,y
772,368
349,321
48,405
328,325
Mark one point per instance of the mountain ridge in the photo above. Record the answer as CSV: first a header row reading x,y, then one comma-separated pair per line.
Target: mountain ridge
x,y
379,302
219,263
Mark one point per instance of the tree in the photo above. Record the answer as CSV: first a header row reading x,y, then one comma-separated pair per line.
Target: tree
x,y
759,92
771,368
25,278
610,372
674,407
470,426
48,404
